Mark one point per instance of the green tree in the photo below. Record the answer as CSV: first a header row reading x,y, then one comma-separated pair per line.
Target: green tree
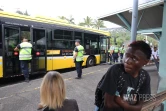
x,y
26,13
121,35
70,20
81,24
88,22
62,17
98,24
22,13
19,12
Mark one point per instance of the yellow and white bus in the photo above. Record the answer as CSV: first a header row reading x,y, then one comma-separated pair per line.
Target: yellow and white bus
x,y
53,41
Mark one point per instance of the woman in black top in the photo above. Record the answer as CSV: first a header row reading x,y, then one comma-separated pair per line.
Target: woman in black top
x,y
53,94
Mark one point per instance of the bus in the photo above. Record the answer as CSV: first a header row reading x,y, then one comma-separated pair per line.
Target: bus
x,y
52,40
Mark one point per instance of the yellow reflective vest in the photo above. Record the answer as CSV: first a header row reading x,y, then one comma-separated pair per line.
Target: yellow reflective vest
x,y
25,51
80,53
116,49
122,50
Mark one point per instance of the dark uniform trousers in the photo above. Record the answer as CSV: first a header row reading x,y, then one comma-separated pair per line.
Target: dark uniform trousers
x,y
115,56
79,68
25,68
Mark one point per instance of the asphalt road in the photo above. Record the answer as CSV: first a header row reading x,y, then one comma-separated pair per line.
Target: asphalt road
x,y
25,96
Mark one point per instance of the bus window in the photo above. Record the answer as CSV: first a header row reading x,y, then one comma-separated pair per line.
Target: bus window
x,y
58,34
62,44
39,36
49,39
91,43
78,35
72,44
25,32
62,34
11,38
68,35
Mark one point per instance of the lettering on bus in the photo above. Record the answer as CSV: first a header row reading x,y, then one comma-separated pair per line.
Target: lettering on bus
x,y
16,24
67,52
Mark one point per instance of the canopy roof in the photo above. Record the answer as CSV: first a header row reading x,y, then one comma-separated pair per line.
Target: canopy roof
x,y
150,17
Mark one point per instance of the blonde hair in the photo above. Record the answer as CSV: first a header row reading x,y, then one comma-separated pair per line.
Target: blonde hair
x,y
52,90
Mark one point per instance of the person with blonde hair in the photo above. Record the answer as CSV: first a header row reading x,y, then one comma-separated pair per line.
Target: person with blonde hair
x,y
53,94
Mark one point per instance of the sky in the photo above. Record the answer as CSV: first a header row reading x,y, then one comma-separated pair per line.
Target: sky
x,y
79,9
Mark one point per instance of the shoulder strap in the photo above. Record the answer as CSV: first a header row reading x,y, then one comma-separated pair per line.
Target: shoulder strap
x,y
141,80
99,94
121,79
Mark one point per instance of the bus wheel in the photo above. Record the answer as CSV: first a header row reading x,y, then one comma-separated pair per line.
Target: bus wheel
x,y
90,61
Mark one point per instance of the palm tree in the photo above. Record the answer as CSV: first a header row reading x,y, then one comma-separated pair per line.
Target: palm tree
x,y
62,17
70,20
87,22
26,13
81,24
19,12
98,24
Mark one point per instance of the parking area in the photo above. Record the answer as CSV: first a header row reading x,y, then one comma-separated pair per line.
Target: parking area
x,y
25,96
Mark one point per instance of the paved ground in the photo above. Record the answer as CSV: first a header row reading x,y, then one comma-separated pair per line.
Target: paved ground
x,y
25,96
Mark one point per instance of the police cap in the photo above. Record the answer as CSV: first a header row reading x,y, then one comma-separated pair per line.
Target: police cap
x,y
77,40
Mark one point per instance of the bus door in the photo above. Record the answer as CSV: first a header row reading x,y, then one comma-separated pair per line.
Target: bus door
x,y
10,39
38,63
103,49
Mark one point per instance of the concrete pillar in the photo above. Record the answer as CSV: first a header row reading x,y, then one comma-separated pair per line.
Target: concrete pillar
x,y
162,55
162,50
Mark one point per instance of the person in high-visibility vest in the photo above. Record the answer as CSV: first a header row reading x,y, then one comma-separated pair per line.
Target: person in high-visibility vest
x,y
25,56
78,54
115,53
110,54
122,51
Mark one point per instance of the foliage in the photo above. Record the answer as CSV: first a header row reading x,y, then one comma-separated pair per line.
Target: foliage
x,y
62,17
88,22
22,13
98,24
26,13
122,36
19,12
70,20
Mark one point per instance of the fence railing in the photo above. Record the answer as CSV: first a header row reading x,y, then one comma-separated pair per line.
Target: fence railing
x,y
155,102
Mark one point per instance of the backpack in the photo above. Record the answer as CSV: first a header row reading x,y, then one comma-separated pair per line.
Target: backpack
x,y
99,94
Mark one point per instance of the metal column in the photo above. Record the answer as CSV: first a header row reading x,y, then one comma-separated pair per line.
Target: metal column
x,y
134,20
162,55
162,49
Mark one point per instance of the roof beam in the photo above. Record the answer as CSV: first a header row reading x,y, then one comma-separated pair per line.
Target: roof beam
x,y
123,19
153,30
157,35
140,18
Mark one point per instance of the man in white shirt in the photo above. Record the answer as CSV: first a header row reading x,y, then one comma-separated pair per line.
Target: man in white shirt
x,y
151,58
155,56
